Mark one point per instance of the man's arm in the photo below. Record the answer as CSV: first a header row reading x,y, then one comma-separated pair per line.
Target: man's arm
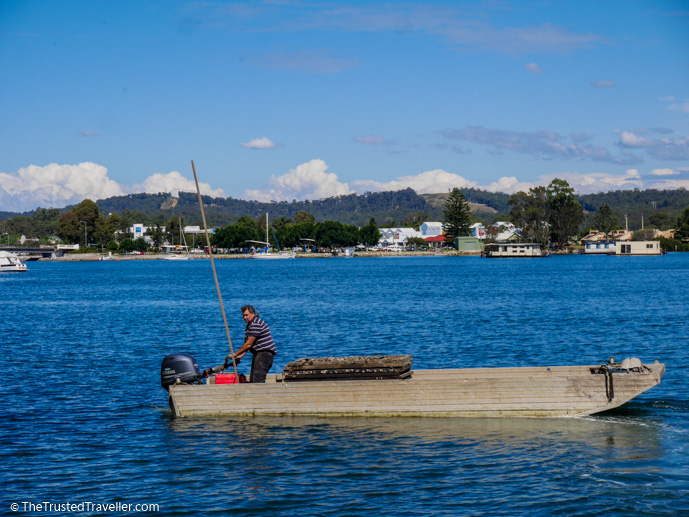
x,y
245,348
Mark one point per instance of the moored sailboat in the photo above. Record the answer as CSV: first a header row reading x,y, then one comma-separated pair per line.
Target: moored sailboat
x,y
266,254
179,251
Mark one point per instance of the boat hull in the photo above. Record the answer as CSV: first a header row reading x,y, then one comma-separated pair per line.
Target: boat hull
x,y
476,392
274,256
10,263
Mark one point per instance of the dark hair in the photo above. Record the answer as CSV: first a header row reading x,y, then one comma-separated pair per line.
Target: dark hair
x,y
249,308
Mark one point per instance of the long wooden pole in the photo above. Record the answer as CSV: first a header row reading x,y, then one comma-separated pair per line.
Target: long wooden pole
x,y
215,274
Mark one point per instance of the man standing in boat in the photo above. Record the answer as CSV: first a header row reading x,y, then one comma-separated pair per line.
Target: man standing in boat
x,y
258,340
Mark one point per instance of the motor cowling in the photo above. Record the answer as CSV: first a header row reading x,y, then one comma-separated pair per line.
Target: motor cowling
x,y
179,368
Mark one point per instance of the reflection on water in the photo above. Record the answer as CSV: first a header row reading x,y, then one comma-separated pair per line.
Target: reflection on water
x,y
522,460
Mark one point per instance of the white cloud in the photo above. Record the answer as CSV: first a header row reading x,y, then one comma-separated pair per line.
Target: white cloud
x,y
669,184
533,68
662,149
61,185
663,172
55,186
258,143
509,185
425,183
308,181
683,107
603,84
597,181
174,183
629,139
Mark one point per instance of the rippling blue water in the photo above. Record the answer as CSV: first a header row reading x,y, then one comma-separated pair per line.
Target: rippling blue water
x,y
84,417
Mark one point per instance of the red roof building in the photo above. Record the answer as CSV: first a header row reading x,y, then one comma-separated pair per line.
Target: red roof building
x,y
436,241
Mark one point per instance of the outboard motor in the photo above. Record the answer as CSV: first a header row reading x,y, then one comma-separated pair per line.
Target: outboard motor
x,y
179,368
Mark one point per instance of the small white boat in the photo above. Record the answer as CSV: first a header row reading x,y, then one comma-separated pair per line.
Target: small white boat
x,y
179,255
389,388
10,262
266,254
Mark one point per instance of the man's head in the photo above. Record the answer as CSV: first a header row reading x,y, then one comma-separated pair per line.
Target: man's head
x,y
248,313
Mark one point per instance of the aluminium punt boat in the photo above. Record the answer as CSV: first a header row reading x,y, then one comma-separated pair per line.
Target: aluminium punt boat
x,y
311,387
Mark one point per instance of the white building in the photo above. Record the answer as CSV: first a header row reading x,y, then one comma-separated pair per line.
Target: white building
x,y
506,231
139,231
431,229
397,237
478,231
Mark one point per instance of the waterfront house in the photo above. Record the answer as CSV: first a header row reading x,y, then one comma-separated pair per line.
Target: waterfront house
x,y
667,234
504,231
594,236
621,235
396,236
436,241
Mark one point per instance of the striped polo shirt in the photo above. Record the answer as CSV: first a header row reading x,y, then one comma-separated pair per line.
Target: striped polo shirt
x,y
259,329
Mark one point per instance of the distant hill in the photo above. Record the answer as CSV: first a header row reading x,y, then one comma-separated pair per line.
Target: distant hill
x,y
387,208
350,209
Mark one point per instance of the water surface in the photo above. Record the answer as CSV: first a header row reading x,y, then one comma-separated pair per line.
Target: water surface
x,y
86,419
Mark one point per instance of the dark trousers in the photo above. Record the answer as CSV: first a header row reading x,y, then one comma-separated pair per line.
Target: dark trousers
x,y
260,364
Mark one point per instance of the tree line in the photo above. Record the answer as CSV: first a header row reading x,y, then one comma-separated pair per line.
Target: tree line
x,y
286,232
87,226
553,215
548,213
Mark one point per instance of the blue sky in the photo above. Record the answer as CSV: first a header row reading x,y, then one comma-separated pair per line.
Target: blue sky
x,y
300,100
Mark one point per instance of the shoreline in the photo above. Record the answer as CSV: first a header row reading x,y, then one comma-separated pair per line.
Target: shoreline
x,y
96,257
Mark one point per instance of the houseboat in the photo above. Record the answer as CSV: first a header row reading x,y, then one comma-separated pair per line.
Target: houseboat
x,y
639,248
600,247
514,250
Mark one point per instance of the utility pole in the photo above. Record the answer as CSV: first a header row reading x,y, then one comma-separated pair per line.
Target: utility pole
x,y
86,235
